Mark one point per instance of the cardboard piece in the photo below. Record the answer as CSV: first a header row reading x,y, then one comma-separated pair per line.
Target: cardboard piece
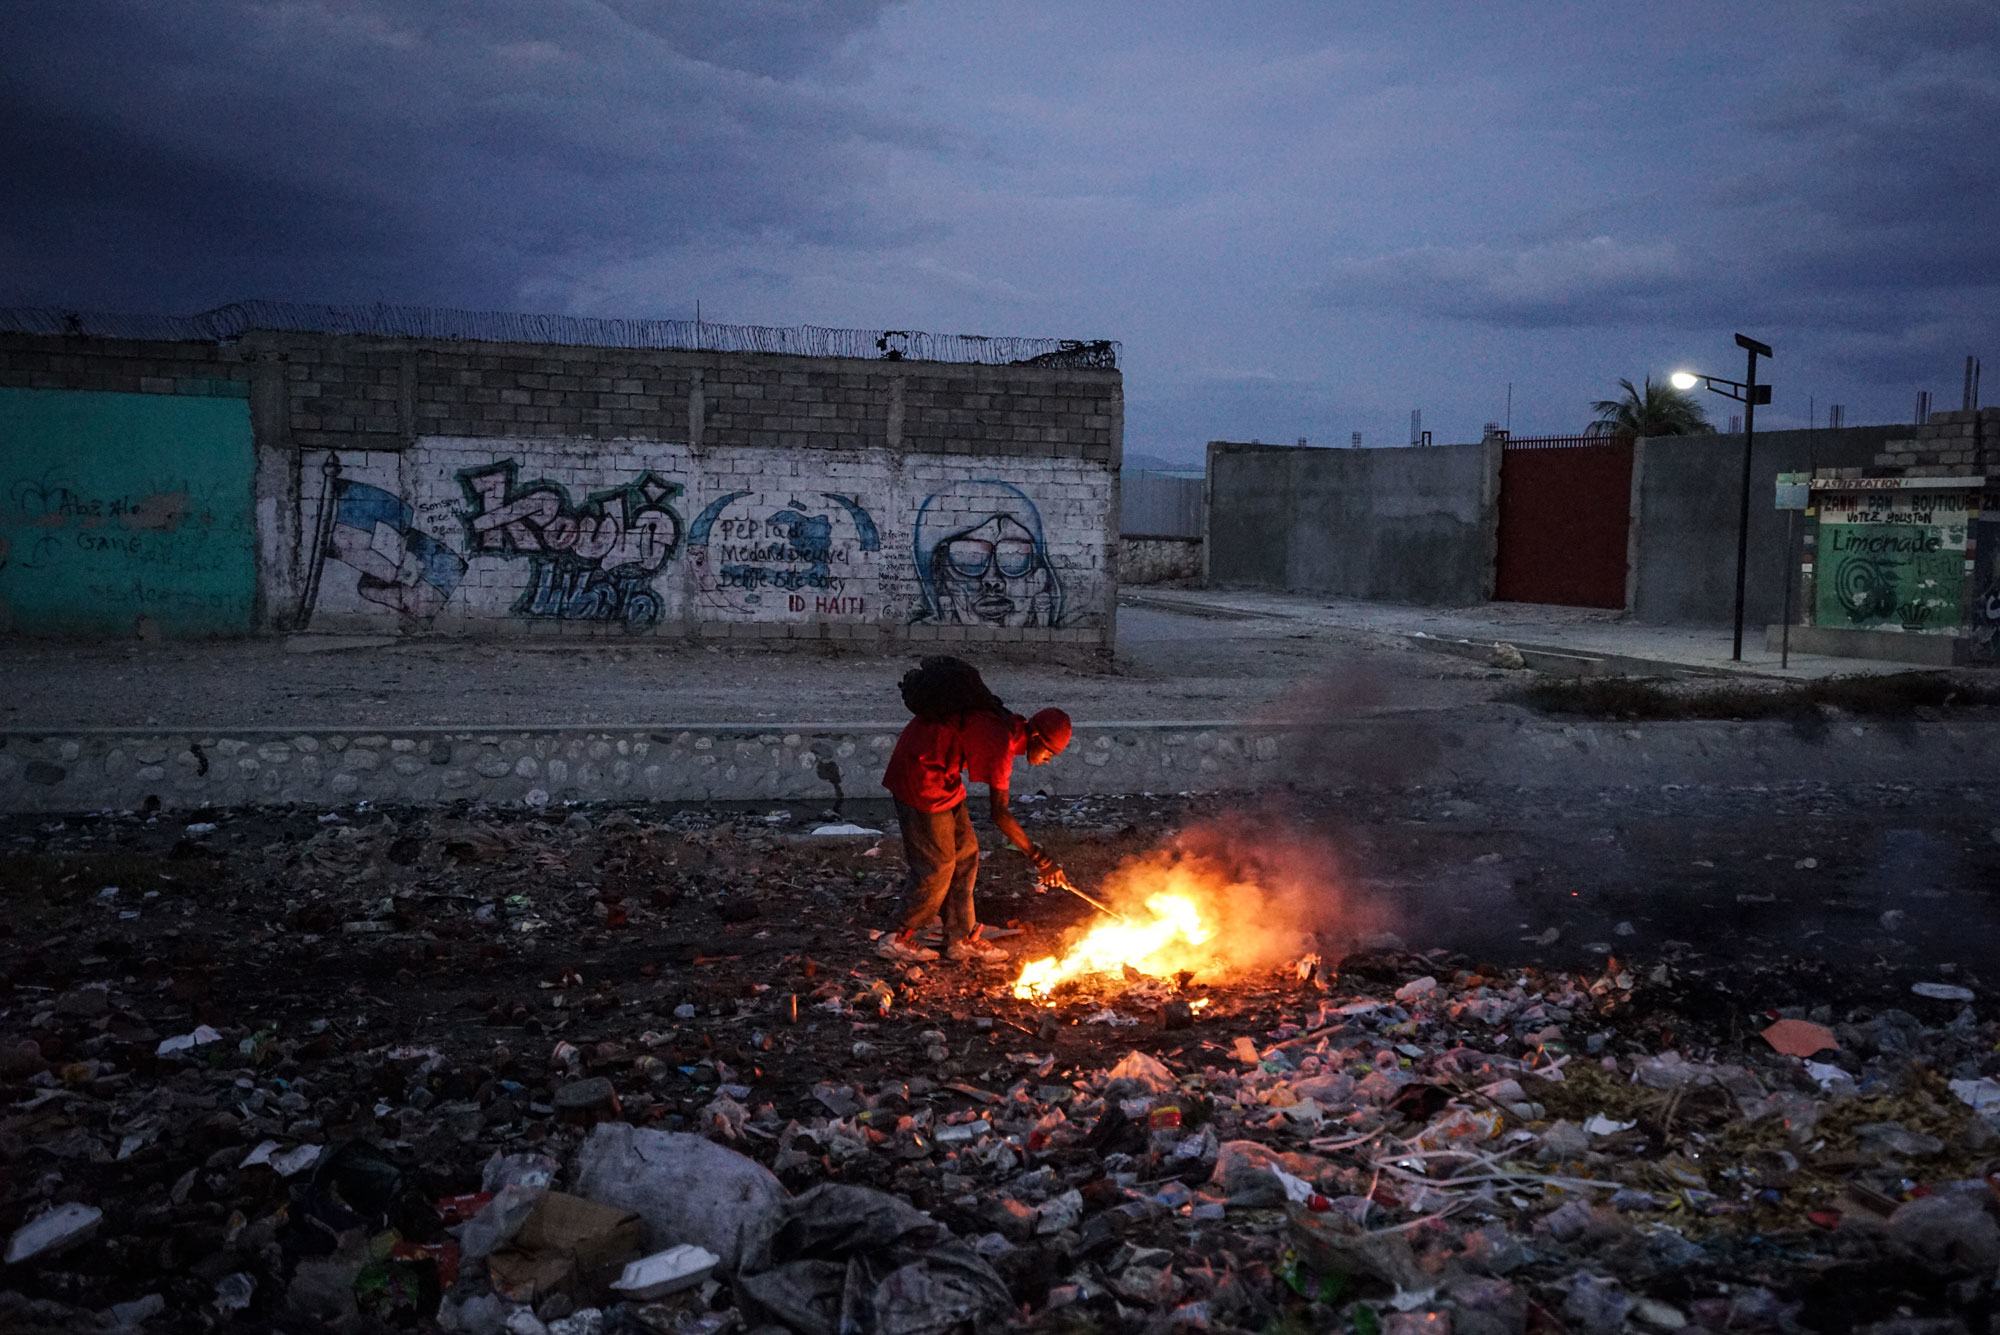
x,y
1800,1038
566,1245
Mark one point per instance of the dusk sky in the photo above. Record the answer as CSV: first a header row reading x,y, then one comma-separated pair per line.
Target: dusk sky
x,y
1300,219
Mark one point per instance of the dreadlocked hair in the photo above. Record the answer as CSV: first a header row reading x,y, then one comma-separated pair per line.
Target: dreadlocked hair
x,y
942,687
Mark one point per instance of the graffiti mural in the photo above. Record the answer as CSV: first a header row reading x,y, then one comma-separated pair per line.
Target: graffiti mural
x,y
981,559
1986,622
1985,612
590,562
125,514
456,534
1892,560
373,532
787,557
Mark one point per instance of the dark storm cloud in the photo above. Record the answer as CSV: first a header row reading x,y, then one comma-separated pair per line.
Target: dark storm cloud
x,y
1592,281
181,155
1299,218
1848,203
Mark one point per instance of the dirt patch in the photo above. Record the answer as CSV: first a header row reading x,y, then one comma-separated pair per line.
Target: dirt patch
x,y
1901,695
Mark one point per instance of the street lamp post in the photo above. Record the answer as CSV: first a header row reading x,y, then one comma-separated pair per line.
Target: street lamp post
x,y
1748,393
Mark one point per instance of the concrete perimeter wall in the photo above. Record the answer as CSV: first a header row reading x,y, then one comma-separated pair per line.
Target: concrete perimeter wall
x,y
1685,498
1394,525
404,485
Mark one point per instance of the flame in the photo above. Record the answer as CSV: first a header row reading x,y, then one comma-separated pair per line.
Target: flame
x,y
1158,947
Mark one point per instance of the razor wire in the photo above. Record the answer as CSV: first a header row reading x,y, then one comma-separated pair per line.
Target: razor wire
x,y
227,323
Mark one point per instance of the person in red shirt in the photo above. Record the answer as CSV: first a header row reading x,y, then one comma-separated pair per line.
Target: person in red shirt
x,y
927,774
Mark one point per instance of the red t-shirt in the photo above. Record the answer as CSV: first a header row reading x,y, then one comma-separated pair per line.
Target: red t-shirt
x,y
932,761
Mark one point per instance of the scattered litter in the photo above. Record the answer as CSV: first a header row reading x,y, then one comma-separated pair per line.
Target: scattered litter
x,y
565,1243
844,831
666,1272
286,1163
725,1122
1799,1038
54,1232
1981,1095
201,1034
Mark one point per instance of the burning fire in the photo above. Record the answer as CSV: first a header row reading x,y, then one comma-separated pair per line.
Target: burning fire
x,y
1159,947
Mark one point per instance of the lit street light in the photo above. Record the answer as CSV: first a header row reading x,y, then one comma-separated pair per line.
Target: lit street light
x,y
1748,393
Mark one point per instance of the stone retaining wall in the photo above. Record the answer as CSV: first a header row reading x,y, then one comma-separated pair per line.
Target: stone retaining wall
x,y
100,769
181,770
1158,560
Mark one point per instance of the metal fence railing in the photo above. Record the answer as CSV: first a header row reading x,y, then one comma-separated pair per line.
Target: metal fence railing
x,y
1160,505
233,321
1556,442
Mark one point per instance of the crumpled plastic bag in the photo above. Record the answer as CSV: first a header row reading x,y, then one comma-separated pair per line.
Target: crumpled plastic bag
x,y
851,1258
1334,1244
686,1188
495,1225
1138,1073
1243,1173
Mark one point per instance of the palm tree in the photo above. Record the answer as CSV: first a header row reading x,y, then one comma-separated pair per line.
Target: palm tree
x,y
1656,410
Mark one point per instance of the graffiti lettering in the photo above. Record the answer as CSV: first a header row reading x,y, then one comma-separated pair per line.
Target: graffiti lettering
x,y
580,593
592,562
139,593
44,503
538,519
792,549
1879,543
740,576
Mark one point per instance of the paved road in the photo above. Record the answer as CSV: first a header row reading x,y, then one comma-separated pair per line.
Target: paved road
x,y
1172,664
1579,630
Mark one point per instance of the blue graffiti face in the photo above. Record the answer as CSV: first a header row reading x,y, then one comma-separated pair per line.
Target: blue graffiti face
x,y
994,573
981,559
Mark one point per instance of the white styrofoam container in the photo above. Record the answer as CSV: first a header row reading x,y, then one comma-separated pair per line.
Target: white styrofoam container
x,y
666,1272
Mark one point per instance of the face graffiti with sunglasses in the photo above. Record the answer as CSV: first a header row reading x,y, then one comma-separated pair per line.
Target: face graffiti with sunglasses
x,y
994,573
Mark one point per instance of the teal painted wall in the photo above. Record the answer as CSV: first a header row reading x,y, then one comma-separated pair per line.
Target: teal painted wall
x,y
125,512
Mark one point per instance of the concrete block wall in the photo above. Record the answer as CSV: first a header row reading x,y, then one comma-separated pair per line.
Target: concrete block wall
x,y
122,366
1911,574
481,488
1411,526
1685,507
345,392
1949,444
572,536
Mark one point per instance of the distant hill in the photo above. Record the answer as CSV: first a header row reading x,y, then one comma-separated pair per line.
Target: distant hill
x,y
1153,463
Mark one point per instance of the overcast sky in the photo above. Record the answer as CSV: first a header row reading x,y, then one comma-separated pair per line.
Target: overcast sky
x,y
1299,218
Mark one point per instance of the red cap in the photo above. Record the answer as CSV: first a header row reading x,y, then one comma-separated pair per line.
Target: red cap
x,y
1052,726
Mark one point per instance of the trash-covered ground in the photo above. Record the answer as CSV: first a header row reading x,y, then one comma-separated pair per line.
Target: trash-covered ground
x,y
1644,1059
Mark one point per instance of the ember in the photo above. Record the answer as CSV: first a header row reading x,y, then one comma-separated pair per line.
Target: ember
x,y
1158,948
1172,910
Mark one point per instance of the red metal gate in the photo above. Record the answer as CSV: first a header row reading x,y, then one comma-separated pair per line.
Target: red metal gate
x,y
1565,512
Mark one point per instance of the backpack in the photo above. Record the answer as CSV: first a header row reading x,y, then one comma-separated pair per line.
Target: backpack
x,y
942,687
